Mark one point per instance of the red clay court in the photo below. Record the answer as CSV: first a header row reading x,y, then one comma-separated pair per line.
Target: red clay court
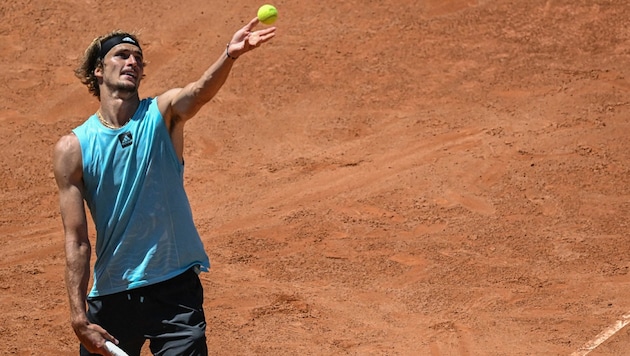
x,y
384,178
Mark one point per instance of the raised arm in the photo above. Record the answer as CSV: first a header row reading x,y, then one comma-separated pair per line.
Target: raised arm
x,y
67,166
181,104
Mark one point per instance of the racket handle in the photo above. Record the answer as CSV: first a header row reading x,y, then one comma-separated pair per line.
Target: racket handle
x,y
114,350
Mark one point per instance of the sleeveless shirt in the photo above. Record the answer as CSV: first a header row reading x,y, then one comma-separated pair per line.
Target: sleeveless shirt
x,y
134,189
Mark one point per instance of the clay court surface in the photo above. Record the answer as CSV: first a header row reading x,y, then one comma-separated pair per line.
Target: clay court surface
x,y
406,177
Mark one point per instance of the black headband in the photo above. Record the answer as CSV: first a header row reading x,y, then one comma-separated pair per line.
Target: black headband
x,y
115,41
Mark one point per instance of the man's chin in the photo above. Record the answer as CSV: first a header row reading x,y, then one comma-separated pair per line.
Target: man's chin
x,y
128,88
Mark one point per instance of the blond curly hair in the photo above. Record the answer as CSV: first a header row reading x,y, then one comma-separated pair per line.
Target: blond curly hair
x,y
91,60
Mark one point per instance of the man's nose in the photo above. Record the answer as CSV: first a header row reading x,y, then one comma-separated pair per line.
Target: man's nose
x,y
133,60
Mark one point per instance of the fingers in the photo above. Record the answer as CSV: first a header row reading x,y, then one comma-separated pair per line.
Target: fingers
x,y
110,337
103,333
252,23
93,337
267,31
257,38
249,29
109,348
246,39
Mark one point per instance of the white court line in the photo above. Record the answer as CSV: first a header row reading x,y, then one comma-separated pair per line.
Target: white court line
x,y
603,336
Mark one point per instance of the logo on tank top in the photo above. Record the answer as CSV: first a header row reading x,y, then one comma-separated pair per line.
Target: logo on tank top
x,y
125,139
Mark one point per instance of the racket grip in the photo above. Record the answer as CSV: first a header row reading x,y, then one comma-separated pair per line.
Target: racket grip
x,y
114,350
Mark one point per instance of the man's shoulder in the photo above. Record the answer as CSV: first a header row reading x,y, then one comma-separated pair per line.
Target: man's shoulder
x,y
67,157
67,144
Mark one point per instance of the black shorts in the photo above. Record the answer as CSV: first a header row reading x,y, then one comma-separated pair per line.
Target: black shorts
x,y
168,314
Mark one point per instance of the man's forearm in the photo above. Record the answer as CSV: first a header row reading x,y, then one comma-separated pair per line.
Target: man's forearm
x,y
77,278
213,78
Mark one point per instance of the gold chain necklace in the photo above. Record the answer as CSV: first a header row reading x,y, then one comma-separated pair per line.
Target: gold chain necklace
x,y
105,122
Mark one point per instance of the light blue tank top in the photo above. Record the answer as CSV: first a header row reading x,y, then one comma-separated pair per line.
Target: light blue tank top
x,y
134,189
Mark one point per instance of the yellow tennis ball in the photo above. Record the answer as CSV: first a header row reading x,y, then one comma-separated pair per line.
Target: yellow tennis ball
x,y
267,14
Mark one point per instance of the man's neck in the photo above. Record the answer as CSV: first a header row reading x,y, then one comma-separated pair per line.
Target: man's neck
x,y
117,110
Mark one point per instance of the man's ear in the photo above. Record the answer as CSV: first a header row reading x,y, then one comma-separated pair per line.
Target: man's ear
x,y
98,71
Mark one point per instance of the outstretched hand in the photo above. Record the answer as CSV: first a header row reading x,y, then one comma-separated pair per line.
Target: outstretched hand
x,y
246,39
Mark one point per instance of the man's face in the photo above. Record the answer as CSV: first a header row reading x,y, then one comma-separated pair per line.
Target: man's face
x,y
123,67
